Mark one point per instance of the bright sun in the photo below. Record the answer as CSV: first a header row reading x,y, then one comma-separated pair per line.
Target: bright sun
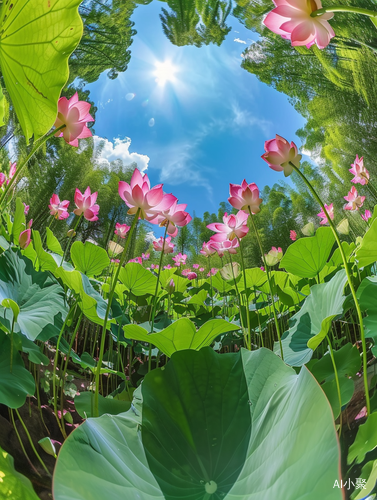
x,y
165,72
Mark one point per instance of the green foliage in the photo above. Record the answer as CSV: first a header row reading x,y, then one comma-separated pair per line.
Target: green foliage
x,y
181,335
88,258
306,257
311,324
16,382
366,440
39,297
242,405
14,485
137,280
35,45
367,252
84,405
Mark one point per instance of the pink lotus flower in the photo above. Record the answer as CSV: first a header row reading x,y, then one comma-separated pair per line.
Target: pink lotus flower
x,y
262,268
367,215
293,235
115,261
163,246
192,275
354,200
136,260
168,267
154,266
212,272
121,229
27,208
245,197
330,211
195,266
185,272
24,238
145,256
359,171
58,209
234,226
174,217
279,153
292,20
74,114
225,246
3,178
12,171
201,269
86,204
170,287
207,249
273,256
138,194
180,259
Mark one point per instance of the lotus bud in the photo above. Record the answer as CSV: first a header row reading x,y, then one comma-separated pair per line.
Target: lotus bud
x,y
71,233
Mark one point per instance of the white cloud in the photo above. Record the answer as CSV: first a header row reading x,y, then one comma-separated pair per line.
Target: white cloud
x,y
238,40
150,237
119,149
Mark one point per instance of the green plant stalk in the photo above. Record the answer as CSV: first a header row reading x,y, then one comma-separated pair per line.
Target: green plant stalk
x,y
70,239
210,280
269,283
337,384
158,281
109,300
155,299
246,298
54,370
349,277
66,366
32,444
344,8
238,297
34,149
21,443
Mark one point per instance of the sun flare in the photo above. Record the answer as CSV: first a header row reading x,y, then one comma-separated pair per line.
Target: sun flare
x,y
165,72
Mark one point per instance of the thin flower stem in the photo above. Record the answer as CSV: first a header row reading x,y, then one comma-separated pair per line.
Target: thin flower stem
x,y
109,300
349,277
269,283
238,296
21,443
210,280
246,297
70,239
337,384
344,8
72,309
34,149
32,444
158,280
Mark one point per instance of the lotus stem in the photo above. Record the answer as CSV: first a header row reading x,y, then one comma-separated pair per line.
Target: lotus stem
x,y
349,277
344,8
109,300
70,239
337,383
246,298
269,283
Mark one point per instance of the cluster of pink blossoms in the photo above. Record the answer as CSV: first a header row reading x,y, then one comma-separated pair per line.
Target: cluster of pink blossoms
x,y
85,205
361,176
244,198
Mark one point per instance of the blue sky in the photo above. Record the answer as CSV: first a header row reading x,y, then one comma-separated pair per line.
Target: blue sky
x,y
200,129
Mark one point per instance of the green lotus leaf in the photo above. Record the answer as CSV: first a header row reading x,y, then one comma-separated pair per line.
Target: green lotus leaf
x,y
365,441
307,256
311,324
367,251
138,280
38,295
36,40
84,405
13,485
52,243
218,427
89,258
181,334
18,220
16,382
90,301
45,259
367,295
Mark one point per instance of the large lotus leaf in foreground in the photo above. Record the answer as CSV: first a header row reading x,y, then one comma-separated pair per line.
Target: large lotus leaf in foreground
x,y
233,426
38,295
